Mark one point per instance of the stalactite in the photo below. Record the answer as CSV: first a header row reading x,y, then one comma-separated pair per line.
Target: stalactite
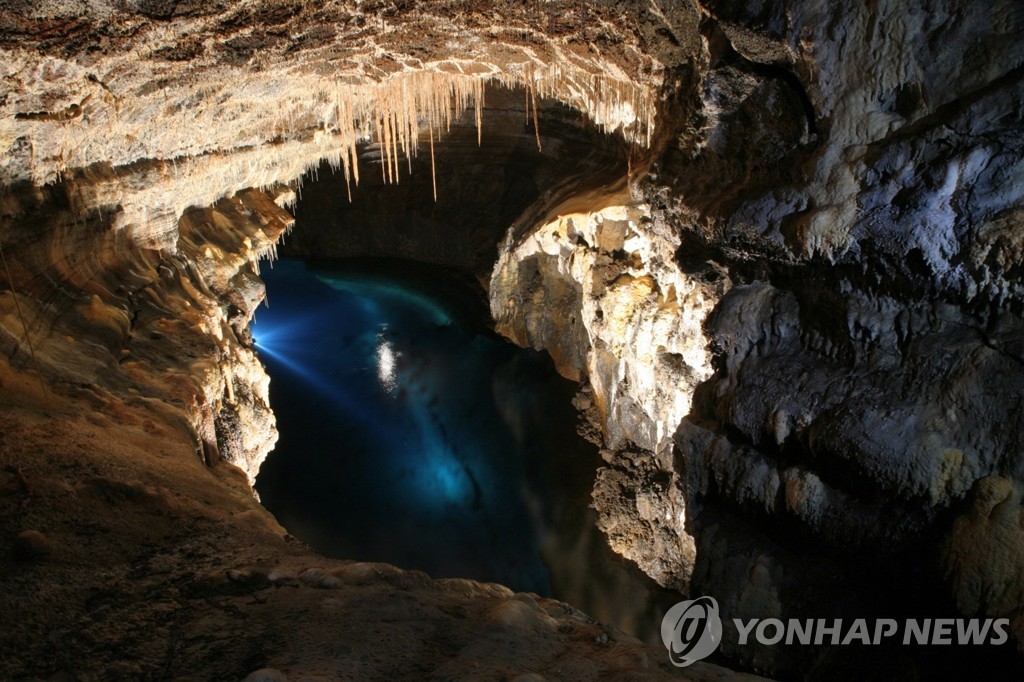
x,y
394,146
395,110
391,115
479,100
536,119
433,168
327,123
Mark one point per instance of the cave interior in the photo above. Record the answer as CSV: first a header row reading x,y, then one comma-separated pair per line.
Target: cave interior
x,y
461,340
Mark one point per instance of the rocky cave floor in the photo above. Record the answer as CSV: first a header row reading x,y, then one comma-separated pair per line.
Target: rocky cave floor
x,y
154,566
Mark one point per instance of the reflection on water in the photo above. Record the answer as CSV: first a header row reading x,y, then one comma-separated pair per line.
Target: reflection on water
x,y
412,447
408,437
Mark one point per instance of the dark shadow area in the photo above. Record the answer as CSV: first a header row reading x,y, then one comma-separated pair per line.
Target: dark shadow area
x,y
483,188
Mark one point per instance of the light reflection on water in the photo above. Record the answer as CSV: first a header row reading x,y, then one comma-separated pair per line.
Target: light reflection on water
x,y
386,373
395,440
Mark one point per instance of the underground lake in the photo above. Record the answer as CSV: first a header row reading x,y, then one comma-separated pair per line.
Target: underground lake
x,y
412,434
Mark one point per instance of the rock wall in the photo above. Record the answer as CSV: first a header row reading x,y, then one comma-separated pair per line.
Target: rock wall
x,y
87,309
838,184
602,294
866,357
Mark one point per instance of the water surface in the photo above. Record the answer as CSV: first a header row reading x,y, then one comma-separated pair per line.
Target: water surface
x,y
407,435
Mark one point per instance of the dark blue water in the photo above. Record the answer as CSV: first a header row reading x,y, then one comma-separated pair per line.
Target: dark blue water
x,y
409,435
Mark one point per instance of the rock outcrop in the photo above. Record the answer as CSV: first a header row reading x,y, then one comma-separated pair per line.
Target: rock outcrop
x,y
842,180
601,293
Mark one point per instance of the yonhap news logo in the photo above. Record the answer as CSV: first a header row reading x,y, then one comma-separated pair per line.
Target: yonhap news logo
x,y
692,630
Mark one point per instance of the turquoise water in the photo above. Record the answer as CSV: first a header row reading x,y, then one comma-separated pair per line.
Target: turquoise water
x,y
409,434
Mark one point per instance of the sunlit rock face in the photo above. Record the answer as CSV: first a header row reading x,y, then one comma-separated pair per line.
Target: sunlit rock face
x,y
795,309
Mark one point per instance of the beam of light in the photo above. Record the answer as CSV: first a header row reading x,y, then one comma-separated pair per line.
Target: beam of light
x,y
279,330
437,480
424,305
298,339
274,344
442,477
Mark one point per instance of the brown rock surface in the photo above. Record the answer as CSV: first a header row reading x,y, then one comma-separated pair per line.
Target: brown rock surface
x,y
166,568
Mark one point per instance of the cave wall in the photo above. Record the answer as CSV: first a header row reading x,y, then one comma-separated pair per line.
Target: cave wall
x,y
867,357
848,178
868,353
90,312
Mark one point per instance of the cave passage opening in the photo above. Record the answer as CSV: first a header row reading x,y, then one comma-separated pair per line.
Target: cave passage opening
x,y
411,433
